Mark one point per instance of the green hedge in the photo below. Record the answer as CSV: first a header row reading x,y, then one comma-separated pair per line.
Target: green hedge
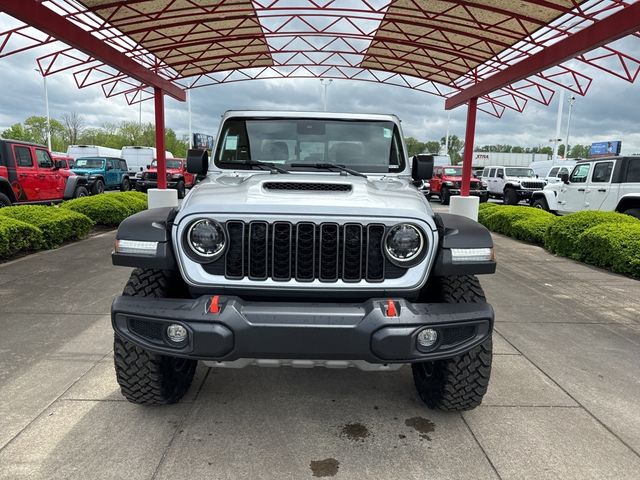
x,y
523,223
561,237
56,224
17,236
108,209
612,245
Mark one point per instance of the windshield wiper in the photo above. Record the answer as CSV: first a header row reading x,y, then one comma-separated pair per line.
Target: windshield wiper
x,y
330,166
263,165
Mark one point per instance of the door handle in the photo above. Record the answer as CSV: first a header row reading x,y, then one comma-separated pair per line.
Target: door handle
x,y
602,189
581,189
23,175
41,175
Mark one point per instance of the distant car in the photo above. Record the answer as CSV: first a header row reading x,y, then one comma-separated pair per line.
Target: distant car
x,y
177,177
511,184
63,161
103,173
556,172
609,184
447,181
28,174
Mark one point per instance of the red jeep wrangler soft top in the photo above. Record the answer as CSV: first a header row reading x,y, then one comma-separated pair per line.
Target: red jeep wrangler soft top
x,y
28,174
447,181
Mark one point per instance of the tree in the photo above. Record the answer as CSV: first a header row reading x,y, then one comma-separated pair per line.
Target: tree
x,y
455,147
73,125
579,151
432,146
414,146
16,132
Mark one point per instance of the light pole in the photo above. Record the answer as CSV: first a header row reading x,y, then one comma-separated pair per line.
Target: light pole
x,y
558,126
189,106
325,85
446,138
571,101
46,103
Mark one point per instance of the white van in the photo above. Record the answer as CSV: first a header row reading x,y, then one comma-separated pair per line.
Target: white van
x,y
139,157
80,151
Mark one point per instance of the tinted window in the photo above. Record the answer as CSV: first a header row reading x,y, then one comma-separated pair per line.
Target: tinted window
x,y
500,171
562,171
633,172
602,172
23,157
123,165
492,172
580,173
485,172
553,171
44,160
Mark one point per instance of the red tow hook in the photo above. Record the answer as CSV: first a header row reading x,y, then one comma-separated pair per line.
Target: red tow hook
x,y
391,310
214,306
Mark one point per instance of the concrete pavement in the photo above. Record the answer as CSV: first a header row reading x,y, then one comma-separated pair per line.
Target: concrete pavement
x,y
562,403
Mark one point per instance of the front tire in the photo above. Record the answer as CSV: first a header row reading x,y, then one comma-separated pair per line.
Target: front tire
x,y
80,192
181,188
445,196
458,383
147,378
126,185
510,197
540,203
634,212
98,187
4,200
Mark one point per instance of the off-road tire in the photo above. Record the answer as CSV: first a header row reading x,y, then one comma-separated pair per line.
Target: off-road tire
x,y
458,383
510,197
144,377
98,187
80,191
125,186
484,199
4,200
540,203
445,196
181,188
634,212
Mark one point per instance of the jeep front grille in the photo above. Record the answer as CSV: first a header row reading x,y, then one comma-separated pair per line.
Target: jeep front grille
x,y
301,186
305,251
150,175
532,185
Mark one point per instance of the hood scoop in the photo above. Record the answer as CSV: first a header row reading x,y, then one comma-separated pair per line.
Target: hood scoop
x,y
307,187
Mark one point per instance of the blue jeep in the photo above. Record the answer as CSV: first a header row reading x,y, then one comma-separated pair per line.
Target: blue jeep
x,y
103,173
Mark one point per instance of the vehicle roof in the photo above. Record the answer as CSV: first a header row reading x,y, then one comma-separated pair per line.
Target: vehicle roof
x,y
613,157
100,157
22,142
506,166
326,115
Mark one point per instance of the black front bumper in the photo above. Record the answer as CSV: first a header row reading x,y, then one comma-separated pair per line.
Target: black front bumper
x,y
473,193
144,185
279,330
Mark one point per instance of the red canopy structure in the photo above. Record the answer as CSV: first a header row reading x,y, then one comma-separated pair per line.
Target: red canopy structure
x,y
490,54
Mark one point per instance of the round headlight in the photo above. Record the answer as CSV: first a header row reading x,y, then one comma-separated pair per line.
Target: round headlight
x,y
206,238
404,243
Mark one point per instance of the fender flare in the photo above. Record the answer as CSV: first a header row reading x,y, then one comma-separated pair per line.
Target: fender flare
x,y
72,183
5,187
630,200
549,196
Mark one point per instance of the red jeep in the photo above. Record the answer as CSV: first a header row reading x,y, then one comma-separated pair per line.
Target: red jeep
x,y
177,177
447,181
28,174
63,161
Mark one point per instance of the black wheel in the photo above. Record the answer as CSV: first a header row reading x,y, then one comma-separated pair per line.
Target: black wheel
x,y
634,212
458,383
4,200
81,191
428,197
484,198
180,186
144,377
125,186
510,197
541,203
445,196
98,187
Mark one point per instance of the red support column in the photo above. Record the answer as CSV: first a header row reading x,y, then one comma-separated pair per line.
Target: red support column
x,y
468,146
160,150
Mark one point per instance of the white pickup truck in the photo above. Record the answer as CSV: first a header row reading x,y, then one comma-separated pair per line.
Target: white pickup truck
x,y
609,184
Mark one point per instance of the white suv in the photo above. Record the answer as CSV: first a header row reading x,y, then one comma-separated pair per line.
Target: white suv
x,y
610,184
511,184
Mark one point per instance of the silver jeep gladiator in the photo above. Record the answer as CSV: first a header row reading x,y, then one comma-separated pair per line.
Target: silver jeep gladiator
x,y
306,243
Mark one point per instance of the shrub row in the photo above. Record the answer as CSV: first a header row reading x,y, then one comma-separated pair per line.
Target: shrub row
x,y
606,239
26,228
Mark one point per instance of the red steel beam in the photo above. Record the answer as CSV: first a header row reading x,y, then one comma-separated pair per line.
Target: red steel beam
x,y
34,14
615,26
469,135
160,151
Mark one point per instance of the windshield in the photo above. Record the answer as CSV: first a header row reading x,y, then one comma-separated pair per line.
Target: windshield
x,y
176,164
453,171
520,172
89,163
364,146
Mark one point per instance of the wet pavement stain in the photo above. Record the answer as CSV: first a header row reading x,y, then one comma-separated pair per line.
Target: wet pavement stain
x,y
422,426
355,431
324,468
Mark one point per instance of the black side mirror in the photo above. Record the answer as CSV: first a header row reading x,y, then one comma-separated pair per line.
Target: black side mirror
x,y
422,167
565,178
148,167
197,162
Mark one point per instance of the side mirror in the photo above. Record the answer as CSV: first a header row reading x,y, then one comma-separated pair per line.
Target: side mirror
x,y
422,167
564,178
141,169
109,167
59,164
148,167
197,162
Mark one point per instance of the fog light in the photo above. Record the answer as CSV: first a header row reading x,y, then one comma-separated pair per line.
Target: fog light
x,y
427,338
176,333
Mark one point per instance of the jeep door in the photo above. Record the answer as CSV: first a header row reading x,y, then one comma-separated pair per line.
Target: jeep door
x,y
112,174
571,197
495,185
27,188
435,184
601,194
50,180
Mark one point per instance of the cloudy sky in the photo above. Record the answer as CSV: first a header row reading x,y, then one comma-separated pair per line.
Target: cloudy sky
x,y
610,111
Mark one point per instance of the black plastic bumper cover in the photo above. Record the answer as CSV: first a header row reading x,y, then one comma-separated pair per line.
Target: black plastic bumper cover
x,y
277,330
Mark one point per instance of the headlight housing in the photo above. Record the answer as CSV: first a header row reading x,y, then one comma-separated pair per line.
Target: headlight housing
x,y
206,240
404,244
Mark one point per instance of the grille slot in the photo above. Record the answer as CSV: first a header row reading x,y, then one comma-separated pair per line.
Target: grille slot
x,y
532,184
454,335
146,329
305,251
306,187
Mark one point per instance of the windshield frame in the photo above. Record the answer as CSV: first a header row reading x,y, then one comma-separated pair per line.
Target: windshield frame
x,y
395,142
101,167
154,163
458,171
508,172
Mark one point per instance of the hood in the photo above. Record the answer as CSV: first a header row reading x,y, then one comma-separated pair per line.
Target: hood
x,y
511,178
169,170
291,194
458,178
86,171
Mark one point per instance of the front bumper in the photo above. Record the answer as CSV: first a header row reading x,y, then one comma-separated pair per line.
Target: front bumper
x,y
473,193
526,193
144,185
312,331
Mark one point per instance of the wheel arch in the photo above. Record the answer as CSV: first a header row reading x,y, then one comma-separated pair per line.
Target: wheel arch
x,y
628,201
5,187
549,196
